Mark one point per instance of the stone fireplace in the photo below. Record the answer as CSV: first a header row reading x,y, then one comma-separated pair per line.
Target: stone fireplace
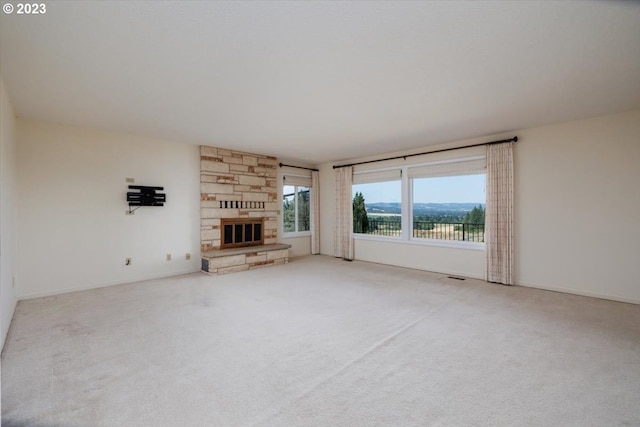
x,y
238,211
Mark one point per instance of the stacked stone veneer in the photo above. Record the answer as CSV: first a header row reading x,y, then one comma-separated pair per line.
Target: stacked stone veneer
x,y
234,184
260,256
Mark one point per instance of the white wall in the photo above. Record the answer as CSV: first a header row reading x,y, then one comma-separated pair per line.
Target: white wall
x,y
8,211
578,207
327,208
577,195
74,233
456,261
300,246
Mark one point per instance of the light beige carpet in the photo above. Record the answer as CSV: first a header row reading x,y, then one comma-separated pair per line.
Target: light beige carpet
x,y
321,342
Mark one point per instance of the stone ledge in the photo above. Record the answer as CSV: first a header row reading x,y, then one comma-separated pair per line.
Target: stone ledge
x,y
216,253
223,261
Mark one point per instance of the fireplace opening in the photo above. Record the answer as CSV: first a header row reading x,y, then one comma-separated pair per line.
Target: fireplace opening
x,y
237,233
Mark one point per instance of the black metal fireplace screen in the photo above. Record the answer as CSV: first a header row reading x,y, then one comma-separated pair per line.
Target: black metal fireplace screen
x,y
238,233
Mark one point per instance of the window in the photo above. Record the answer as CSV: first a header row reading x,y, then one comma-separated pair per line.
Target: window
x,y
377,203
449,208
295,207
423,203
448,200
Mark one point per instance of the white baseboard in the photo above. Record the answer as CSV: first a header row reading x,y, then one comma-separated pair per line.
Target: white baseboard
x,y
5,328
101,285
580,292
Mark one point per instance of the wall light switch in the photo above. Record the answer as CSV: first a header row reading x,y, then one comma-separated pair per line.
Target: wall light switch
x,y
130,180
168,257
187,256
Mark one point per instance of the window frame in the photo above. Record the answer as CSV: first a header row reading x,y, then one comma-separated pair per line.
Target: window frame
x,y
406,212
296,233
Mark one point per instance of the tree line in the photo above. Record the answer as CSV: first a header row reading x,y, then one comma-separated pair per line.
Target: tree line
x,y
289,211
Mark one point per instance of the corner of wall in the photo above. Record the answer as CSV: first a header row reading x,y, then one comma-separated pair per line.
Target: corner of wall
x,y
327,208
8,215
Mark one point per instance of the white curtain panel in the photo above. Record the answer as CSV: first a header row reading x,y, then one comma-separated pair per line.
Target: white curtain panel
x,y
342,240
499,213
315,212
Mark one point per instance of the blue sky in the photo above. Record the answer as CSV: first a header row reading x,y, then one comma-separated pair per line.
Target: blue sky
x,y
450,189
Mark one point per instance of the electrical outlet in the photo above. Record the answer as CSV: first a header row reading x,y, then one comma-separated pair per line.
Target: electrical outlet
x,y
127,261
187,256
168,257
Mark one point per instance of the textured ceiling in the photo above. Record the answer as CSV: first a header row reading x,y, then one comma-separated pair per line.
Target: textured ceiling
x,y
321,81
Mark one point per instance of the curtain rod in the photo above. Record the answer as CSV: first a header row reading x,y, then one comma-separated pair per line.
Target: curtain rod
x,y
299,167
514,139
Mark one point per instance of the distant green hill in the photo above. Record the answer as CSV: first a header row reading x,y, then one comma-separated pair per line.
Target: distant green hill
x,y
454,210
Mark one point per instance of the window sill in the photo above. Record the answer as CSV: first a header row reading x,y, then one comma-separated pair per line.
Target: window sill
x,y
453,244
394,239
294,234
